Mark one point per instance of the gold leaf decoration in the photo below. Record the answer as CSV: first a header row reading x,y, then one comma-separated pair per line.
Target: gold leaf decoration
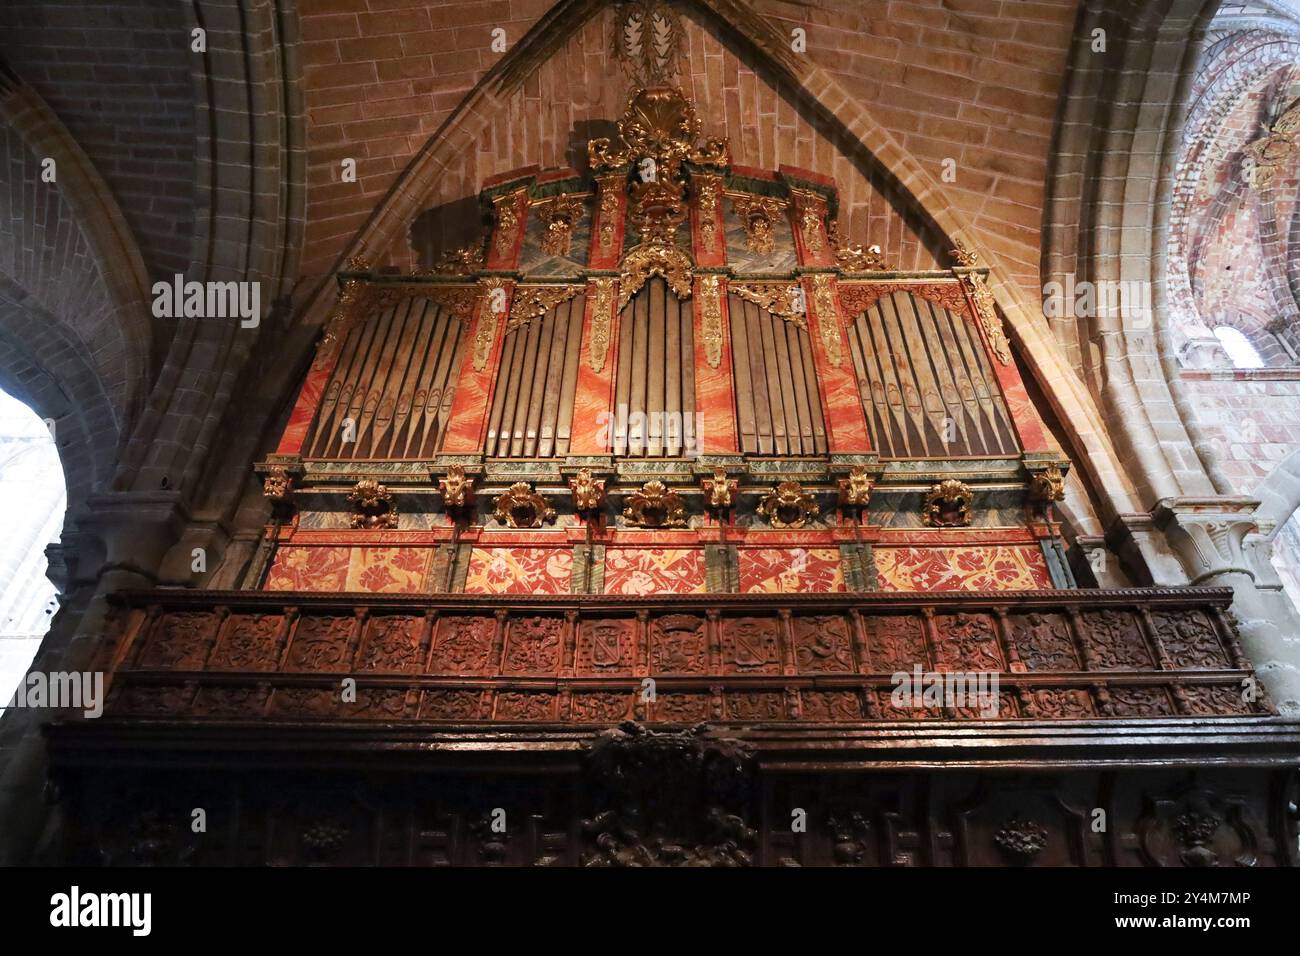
x,y
711,319
828,319
600,320
654,259
986,311
533,301
785,300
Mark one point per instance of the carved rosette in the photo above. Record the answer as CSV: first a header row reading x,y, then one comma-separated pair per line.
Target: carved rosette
x,y
600,323
456,489
588,492
520,506
719,490
374,506
711,319
828,320
855,490
788,506
655,506
948,505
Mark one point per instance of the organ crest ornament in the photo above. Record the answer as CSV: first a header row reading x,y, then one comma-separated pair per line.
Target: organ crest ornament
x,y
647,41
375,507
948,505
855,490
719,490
521,507
852,257
758,216
457,491
559,215
588,492
788,506
783,299
655,506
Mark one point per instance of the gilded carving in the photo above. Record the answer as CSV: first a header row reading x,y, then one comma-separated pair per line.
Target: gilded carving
x,y
948,505
855,490
787,300
758,216
828,319
507,224
812,212
986,312
1047,484
485,328
531,302
600,322
711,319
708,192
964,256
655,258
852,257
559,215
719,490
521,507
456,490
374,506
788,506
609,203
588,492
458,262
655,505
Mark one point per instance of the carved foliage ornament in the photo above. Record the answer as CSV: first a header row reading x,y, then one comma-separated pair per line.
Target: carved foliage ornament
x,y
485,328
521,507
600,322
758,215
530,302
559,215
787,301
278,486
708,190
507,223
788,506
711,319
588,492
986,312
654,259
828,319
855,490
1047,485
852,257
456,490
374,505
655,506
948,505
719,490
812,214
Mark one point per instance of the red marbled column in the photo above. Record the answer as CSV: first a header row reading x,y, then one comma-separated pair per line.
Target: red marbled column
x,y
715,396
594,394
478,371
1029,426
846,423
608,222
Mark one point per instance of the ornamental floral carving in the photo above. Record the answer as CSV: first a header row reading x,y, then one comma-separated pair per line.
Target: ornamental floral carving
x,y
711,319
948,505
374,506
719,490
610,187
1046,485
530,302
278,487
852,257
521,507
495,293
855,490
828,319
963,256
708,192
507,224
456,490
986,312
758,216
812,213
655,259
600,321
786,300
1021,840
788,506
559,215
655,506
588,492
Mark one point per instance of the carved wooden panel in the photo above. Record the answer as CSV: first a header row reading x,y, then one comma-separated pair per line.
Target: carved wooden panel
x,y
927,386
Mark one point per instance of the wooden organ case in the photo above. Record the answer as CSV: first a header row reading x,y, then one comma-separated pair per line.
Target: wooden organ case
x,y
664,469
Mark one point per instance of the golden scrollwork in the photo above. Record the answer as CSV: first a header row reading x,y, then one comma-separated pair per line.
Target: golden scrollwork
x,y
609,202
758,216
660,123
654,259
851,257
588,492
719,490
655,505
785,300
456,490
507,224
812,213
788,506
521,507
708,191
711,319
375,507
559,215
855,490
352,300
530,302
828,319
458,262
600,321
948,505
987,313
459,300
964,256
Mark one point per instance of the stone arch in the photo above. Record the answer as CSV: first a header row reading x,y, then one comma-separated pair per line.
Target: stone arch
x,y
1279,495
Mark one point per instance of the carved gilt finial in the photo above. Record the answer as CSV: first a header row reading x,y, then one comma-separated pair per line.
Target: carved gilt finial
x,y
456,489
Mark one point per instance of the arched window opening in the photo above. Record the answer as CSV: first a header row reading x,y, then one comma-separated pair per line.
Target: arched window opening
x,y
34,497
1238,347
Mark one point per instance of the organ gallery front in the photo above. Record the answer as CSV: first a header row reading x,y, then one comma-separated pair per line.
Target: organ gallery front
x,y
660,517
